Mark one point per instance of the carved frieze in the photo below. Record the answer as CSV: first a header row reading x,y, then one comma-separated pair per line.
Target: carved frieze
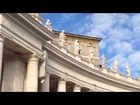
x,y
14,28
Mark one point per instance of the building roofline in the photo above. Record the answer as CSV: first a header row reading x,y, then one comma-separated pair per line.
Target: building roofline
x,y
78,35
44,32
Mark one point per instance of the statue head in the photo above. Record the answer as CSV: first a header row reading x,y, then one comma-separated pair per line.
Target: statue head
x,y
127,66
48,20
48,23
62,31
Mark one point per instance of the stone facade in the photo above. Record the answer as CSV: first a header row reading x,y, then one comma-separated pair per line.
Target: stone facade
x,y
85,41
32,59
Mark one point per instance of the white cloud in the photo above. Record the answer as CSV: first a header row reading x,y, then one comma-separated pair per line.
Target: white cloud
x,y
95,33
102,45
119,34
135,20
120,47
121,58
101,22
134,59
67,17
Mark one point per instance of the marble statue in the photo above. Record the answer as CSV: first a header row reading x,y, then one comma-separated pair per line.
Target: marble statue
x,y
80,49
115,65
62,38
77,47
48,25
128,70
91,53
103,61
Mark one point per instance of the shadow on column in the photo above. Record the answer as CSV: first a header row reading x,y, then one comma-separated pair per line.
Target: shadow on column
x,y
54,83
69,86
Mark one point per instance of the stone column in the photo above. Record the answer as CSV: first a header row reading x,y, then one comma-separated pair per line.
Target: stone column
x,y
45,86
77,88
61,85
1,55
31,83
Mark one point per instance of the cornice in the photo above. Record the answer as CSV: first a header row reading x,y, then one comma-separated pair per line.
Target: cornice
x,y
86,69
45,33
31,48
77,35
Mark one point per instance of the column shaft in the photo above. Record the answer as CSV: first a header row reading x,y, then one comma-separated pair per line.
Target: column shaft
x,y
31,83
61,86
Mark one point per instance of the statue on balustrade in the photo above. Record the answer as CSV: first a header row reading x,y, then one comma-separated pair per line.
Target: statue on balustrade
x,y
128,70
77,47
115,65
103,61
62,38
48,25
91,53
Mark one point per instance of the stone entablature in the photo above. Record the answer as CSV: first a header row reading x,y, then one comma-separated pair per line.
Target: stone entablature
x,y
20,32
44,33
28,34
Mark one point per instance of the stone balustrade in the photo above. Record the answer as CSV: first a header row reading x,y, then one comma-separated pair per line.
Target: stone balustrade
x,y
123,77
111,73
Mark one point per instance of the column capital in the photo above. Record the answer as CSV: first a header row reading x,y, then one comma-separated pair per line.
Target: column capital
x,y
62,81
33,57
77,86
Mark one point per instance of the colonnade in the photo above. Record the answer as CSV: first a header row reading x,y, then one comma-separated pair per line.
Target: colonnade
x,y
62,86
59,84
31,78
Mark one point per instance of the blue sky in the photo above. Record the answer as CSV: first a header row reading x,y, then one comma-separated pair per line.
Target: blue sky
x,y
120,33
